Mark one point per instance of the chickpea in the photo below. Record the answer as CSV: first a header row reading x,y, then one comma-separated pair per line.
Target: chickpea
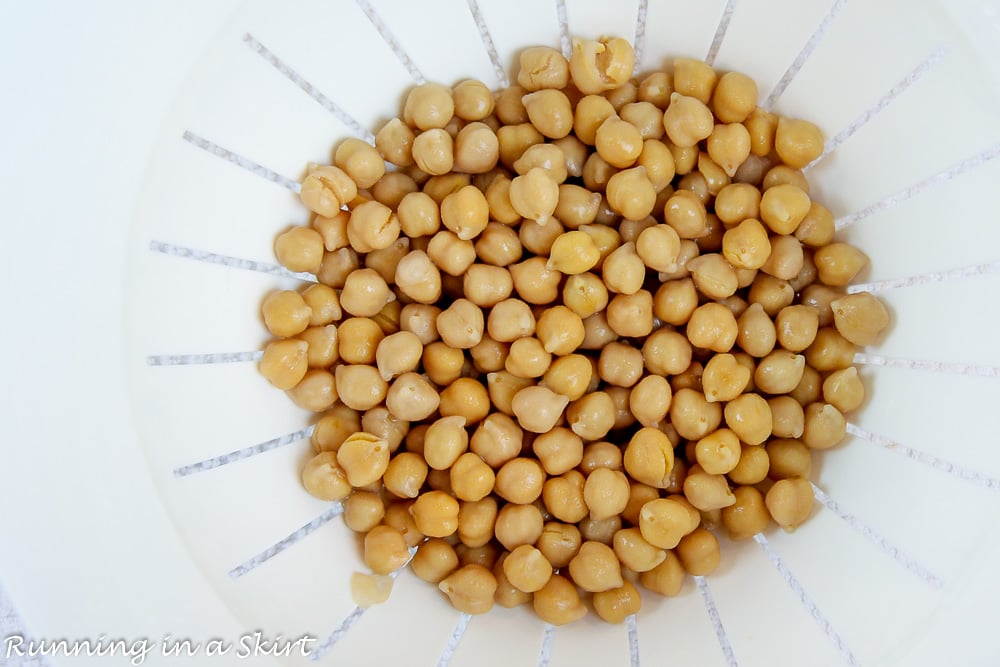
x,y
385,550
472,100
558,602
591,416
542,67
830,351
687,120
666,352
860,318
601,455
779,372
527,358
534,282
699,552
518,524
824,427
749,416
509,108
595,567
573,252
649,400
590,113
563,497
434,560
470,589
685,212
797,142
666,578
817,228
724,378
631,193
323,477
606,493
600,65
790,502
844,390
559,542
496,440
326,189
656,89
498,245
394,143
712,326
615,605
559,450
550,111
631,315
477,521
663,522
708,492
635,552
285,363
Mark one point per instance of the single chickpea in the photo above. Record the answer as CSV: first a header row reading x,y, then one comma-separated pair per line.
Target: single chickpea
x,y
685,212
472,100
787,417
323,477
693,415
573,252
470,589
534,282
316,391
461,325
498,245
830,351
285,363
411,397
538,408
465,397
790,502
550,111
563,497
762,126
392,187
771,293
434,560
405,475
860,318
534,195
631,193
559,542
817,228
649,457
477,521
436,514
527,358
394,143
724,378
825,426
623,270
360,386
687,120
569,375
477,149
542,67
509,109
326,189
797,142
666,352
497,439
712,326
631,315
606,493
838,263
666,578
674,301
590,113
600,65
518,524
509,320
433,151
546,156
749,417
558,450
595,567
385,550
527,568
649,400
844,389
577,206
558,602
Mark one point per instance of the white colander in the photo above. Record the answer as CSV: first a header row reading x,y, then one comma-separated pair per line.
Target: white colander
x,y
907,94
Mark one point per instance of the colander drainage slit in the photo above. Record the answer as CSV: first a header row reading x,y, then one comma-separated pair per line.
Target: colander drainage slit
x,y
351,619
878,540
245,453
973,370
487,38
240,161
720,32
806,601
640,33
545,653
390,39
800,60
911,78
633,640
948,467
228,261
943,176
563,20
453,641
713,616
961,273
309,89
199,359
267,554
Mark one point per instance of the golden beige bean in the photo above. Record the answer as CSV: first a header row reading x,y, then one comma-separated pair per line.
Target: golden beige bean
x,y
486,285
484,556
563,497
674,301
471,478
559,450
418,215
817,228
527,569
534,281
820,297
718,452
748,516
787,417
689,379
398,354
860,318
365,293
559,330
810,388
324,305
575,153
656,89
796,327
635,552
316,391
364,458
286,313
360,161
595,567
558,602
797,142
299,249
334,427
385,550
323,477
666,578
436,514
631,193
618,142
477,149
590,113
790,502
601,455
788,458
713,275
385,260
687,120
577,205
844,390
509,108
734,98
597,172
538,239
623,270
695,78
498,245
786,259
762,126
465,212
444,442
631,315
600,65
724,378
477,521
779,372
783,207
752,467
749,416
666,352
712,327
830,351
573,252
627,93
617,604
569,375
685,158
737,202
397,516
649,457
405,475
825,426
363,510
542,67
358,339
412,398
434,152
461,325
418,278
326,189
757,334
708,492
659,163
592,416
395,142
585,294
502,387
771,293
385,426
559,542
534,195
472,100
649,400
428,106
520,480
470,589
546,156
620,364
659,247
285,363
498,197
518,524
538,408
699,552
663,522
550,112
685,212
509,320
360,386
488,356
434,560
606,493
527,358
497,439
746,246
465,397
729,147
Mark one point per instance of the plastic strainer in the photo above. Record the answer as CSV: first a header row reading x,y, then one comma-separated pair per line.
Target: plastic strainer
x,y
907,94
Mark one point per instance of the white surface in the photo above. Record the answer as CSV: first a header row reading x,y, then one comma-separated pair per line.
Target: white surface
x,y
87,548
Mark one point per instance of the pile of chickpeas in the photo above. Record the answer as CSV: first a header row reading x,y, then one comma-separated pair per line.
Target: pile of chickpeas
x,y
578,327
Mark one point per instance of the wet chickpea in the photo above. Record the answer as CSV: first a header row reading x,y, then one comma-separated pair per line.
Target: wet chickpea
x,y
502,387
606,493
527,568
450,253
749,416
542,67
787,417
600,455
558,602
753,466
527,358
617,604
784,207
797,142
810,387
433,151
397,516
286,313
595,567
623,270
771,293
631,315
724,378
713,275
428,106
472,100
788,459
392,187
666,352
631,193
790,501
687,120
446,439
674,301
620,364
497,439
323,477
699,552
405,475
477,149
563,497
860,318
326,189
663,522
659,164
545,156
558,450
550,112
538,408
534,282
488,355
656,89
796,327
658,246
538,239
486,285
618,142
498,245
713,327
465,397
434,560
569,376
509,320
635,552
666,578
650,400
436,514
821,297
844,390
470,589
695,78
762,126
509,108
825,426
708,492
591,416
779,372
838,263
461,325
817,228
577,205
518,524
484,556
693,415
573,252
358,340
734,98
316,391
477,521
685,212
646,118
559,330
830,351
285,363
385,550
585,294
729,146
394,143
649,457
